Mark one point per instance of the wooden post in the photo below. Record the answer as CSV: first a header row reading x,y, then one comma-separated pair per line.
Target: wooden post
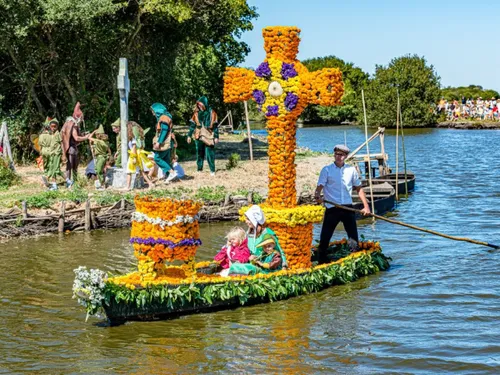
x,y
123,84
88,219
250,197
62,212
397,148
231,119
122,204
25,210
368,153
226,199
404,152
4,140
248,130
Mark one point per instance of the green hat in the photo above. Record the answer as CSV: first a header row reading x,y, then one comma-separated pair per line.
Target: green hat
x,y
49,121
117,123
100,130
267,239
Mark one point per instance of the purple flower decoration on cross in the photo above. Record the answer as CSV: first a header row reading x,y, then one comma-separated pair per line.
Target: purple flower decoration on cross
x,y
259,96
291,101
272,110
152,241
263,70
288,71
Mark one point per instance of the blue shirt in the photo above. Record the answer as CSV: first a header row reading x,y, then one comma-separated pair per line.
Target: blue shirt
x,y
338,183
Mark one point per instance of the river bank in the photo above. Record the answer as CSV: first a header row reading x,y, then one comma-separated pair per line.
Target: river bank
x,y
29,209
462,124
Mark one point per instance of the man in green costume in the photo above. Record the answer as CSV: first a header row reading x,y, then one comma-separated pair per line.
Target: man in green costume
x,y
51,150
203,127
102,153
116,126
162,142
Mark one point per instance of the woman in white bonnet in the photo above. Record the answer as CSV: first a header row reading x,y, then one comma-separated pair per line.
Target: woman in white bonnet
x,y
255,219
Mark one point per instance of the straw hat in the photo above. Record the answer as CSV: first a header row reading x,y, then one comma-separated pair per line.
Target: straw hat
x,y
267,239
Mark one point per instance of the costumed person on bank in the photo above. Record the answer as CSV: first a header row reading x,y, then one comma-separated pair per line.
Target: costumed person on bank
x,y
336,181
203,127
51,150
71,137
116,126
138,161
102,153
162,142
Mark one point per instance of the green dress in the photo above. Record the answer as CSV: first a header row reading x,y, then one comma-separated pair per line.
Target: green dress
x,y
101,155
250,269
206,119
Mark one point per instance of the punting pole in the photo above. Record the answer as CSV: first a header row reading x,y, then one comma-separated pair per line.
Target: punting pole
x,y
248,130
368,154
417,228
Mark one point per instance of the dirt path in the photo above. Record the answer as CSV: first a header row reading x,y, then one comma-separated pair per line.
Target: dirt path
x,y
248,175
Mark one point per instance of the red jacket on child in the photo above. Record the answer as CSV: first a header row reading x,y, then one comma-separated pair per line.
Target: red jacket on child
x,y
239,254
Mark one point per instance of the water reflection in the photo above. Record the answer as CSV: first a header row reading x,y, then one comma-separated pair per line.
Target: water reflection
x,y
435,311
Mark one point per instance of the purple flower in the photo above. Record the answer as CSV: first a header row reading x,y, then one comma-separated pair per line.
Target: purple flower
x,y
288,71
263,70
259,96
272,110
291,101
159,241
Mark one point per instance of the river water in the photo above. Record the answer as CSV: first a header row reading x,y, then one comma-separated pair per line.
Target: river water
x,y
435,311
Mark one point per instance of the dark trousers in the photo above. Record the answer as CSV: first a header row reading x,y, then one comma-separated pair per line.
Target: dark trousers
x,y
333,216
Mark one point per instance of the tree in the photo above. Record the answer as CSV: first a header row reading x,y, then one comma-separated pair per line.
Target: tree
x,y
471,91
354,80
419,90
56,52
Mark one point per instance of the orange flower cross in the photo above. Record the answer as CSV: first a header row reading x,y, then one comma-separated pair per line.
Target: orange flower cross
x,y
282,87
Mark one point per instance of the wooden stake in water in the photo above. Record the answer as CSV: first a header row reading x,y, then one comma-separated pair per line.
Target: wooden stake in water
x,y
368,154
404,151
397,148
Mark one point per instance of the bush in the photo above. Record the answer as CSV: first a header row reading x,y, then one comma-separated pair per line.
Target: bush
x,y
7,176
212,195
233,160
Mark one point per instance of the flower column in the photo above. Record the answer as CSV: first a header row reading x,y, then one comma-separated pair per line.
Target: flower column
x,y
282,88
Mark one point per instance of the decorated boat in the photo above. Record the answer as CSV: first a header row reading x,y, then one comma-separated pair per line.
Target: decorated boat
x,y
165,232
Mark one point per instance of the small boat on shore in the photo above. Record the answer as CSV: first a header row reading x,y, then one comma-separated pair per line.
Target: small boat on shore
x,y
404,183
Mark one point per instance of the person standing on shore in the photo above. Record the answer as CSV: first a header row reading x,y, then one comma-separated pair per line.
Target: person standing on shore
x,y
116,126
71,138
203,127
162,142
337,181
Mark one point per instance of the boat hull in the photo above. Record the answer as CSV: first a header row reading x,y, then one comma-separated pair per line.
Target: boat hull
x,y
170,301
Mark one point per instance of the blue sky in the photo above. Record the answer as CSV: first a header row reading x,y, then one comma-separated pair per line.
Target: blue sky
x,y
460,39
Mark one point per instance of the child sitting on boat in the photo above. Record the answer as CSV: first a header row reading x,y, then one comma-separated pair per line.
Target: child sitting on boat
x,y
235,251
270,260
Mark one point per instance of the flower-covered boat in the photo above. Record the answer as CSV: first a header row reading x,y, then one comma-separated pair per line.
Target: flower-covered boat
x,y
167,231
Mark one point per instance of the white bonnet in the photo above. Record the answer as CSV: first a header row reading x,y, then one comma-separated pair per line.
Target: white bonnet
x,y
255,215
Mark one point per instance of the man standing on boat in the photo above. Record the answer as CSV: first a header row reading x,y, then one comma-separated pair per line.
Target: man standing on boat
x,y
336,181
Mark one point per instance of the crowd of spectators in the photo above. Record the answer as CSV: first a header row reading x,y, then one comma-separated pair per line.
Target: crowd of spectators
x,y
478,109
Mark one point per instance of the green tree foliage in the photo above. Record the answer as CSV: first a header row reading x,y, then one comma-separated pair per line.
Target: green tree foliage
x,y
56,52
419,90
354,80
472,91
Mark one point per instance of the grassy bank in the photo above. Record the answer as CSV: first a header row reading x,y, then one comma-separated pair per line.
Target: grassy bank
x,y
236,175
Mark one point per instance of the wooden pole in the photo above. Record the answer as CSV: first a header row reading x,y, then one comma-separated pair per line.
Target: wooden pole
x,y
248,130
404,152
397,148
88,219
418,228
25,210
351,154
368,153
62,212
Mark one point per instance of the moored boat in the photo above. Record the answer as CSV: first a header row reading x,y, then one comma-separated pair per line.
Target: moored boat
x,y
404,183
